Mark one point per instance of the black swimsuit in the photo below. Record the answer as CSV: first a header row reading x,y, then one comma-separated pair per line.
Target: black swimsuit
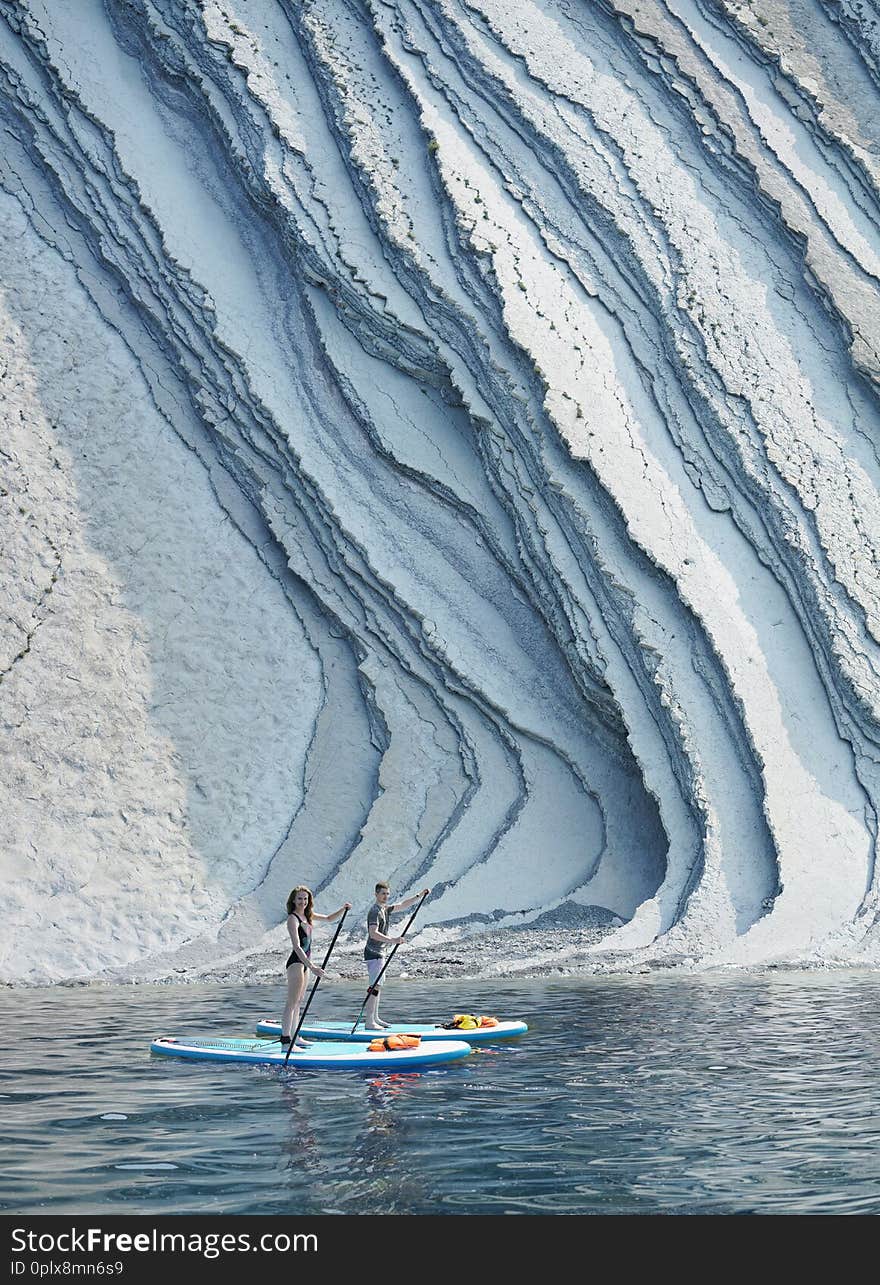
x,y
305,943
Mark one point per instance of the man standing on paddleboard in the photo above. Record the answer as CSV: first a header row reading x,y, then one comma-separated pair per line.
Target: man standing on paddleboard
x,y
377,942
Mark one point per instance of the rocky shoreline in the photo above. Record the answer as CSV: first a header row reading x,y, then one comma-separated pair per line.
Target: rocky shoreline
x,y
510,953
563,940
540,949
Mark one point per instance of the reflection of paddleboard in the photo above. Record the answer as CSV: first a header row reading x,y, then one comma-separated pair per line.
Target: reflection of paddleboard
x,y
327,1055
342,1031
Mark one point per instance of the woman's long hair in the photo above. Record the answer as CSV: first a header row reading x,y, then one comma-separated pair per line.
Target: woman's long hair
x,y
310,904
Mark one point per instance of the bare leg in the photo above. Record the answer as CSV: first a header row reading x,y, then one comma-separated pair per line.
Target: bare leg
x,y
371,1008
296,985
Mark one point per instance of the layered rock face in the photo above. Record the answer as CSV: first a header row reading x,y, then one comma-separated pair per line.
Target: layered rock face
x,y
440,443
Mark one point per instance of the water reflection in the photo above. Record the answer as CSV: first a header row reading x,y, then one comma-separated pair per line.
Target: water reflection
x,y
386,1173
722,1095
299,1151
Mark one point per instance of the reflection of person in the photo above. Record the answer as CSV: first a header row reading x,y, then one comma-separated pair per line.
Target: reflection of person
x,y
377,942
301,915
299,1141
380,1182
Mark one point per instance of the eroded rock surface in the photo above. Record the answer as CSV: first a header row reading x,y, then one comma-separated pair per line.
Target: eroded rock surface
x,y
439,444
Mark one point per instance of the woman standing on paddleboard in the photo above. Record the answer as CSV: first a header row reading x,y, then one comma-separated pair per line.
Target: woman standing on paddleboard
x,y
301,915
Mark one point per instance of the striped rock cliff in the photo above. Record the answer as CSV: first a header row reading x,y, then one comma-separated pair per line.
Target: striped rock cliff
x,y
440,443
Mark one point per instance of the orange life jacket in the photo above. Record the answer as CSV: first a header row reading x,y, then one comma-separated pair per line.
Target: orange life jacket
x,y
394,1041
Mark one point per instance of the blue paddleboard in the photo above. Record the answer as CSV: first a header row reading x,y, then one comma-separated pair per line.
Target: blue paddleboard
x,y
428,1031
333,1055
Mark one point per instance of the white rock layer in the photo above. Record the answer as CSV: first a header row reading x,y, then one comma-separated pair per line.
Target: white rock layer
x,y
440,443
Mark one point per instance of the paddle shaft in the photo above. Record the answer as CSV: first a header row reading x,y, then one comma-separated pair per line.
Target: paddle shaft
x,y
314,988
387,962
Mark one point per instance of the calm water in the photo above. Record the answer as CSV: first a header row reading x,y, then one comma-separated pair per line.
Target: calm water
x,y
636,1095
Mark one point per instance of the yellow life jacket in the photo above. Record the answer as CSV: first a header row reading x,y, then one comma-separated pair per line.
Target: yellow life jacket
x,y
467,1022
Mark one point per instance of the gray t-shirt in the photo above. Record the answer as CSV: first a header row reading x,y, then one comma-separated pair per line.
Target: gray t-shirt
x,y
378,919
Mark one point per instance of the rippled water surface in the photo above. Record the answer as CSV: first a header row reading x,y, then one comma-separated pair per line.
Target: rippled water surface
x,y
635,1095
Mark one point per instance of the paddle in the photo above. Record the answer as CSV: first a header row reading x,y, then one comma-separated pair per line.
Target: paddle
x,y
387,962
302,1016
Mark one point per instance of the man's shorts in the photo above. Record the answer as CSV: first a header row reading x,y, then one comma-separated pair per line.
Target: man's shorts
x,y
374,968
